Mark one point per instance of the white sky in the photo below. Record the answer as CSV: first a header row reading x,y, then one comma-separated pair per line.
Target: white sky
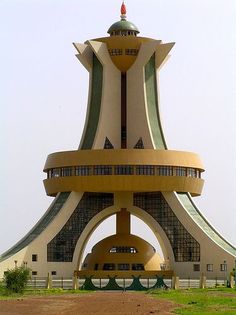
x,y
43,95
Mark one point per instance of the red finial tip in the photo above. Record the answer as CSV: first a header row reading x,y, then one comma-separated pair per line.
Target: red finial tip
x,y
123,9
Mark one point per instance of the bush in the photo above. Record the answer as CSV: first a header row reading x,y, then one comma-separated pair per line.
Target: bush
x,y
16,279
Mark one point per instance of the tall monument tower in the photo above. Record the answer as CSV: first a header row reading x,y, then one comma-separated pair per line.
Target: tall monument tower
x,y
123,167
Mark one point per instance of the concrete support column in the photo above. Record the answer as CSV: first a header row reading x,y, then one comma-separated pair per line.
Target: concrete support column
x,y
231,281
202,283
75,282
175,282
49,282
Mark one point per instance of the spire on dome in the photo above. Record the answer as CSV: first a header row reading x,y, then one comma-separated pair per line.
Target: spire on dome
x,y
123,11
123,27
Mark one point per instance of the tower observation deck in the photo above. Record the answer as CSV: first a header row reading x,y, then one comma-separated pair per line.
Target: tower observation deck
x,y
123,167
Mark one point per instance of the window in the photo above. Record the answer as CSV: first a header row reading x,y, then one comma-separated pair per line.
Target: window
x,y
82,170
123,249
34,257
164,171
34,273
180,171
53,273
56,172
62,246
96,267
123,266
115,52
102,170
109,267
185,247
131,52
163,266
191,172
123,170
209,267
137,267
223,267
196,267
66,171
145,170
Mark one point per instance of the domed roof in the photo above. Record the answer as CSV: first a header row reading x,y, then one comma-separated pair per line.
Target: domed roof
x,y
123,25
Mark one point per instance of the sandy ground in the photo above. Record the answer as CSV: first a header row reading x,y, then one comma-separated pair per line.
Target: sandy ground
x,y
99,303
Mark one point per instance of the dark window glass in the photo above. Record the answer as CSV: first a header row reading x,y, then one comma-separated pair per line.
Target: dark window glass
x,y
82,170
123,170
34,257
53,273
180,171
115,52
145,170
56,172
131,52
209,267
123,249
102,170
137,267
191,172
123,266
223,267
165,170
196,267
62,246
34,273
184,246
66,171
109,266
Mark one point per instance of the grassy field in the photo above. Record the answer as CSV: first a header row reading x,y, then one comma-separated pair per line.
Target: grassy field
x,y
218,301
5,295
201,301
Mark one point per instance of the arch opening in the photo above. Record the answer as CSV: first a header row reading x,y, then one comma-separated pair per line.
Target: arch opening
x,y
107,229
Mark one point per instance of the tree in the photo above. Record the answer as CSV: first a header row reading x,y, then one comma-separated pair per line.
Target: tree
x,y
16,279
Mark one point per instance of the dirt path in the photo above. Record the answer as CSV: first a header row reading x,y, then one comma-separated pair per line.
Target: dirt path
x,y
100,303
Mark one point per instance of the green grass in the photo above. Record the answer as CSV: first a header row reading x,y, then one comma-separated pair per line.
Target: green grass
x,y
6,295
220,301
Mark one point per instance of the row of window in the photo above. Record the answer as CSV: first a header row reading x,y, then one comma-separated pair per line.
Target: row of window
x,y
35,273
119,52
123,33
121,266
126,266
123,249
86,170
209,267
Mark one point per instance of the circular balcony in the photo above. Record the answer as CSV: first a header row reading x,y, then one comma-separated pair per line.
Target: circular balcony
x,y
123,170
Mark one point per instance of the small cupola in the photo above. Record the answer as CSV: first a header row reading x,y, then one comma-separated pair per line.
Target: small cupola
x,y
123,27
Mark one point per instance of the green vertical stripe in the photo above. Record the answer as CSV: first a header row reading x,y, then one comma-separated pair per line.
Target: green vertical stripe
x,y
95,105
152,104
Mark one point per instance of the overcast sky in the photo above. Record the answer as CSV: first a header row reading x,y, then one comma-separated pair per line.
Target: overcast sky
x,y
43,95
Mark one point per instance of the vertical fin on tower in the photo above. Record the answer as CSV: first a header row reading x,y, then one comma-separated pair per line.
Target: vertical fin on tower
x,y
93,112
108,144
139,144
152,104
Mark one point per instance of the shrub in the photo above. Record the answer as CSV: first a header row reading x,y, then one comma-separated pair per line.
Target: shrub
x,y
16,279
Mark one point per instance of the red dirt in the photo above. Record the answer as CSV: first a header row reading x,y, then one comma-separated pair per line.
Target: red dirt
x,y
99,303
